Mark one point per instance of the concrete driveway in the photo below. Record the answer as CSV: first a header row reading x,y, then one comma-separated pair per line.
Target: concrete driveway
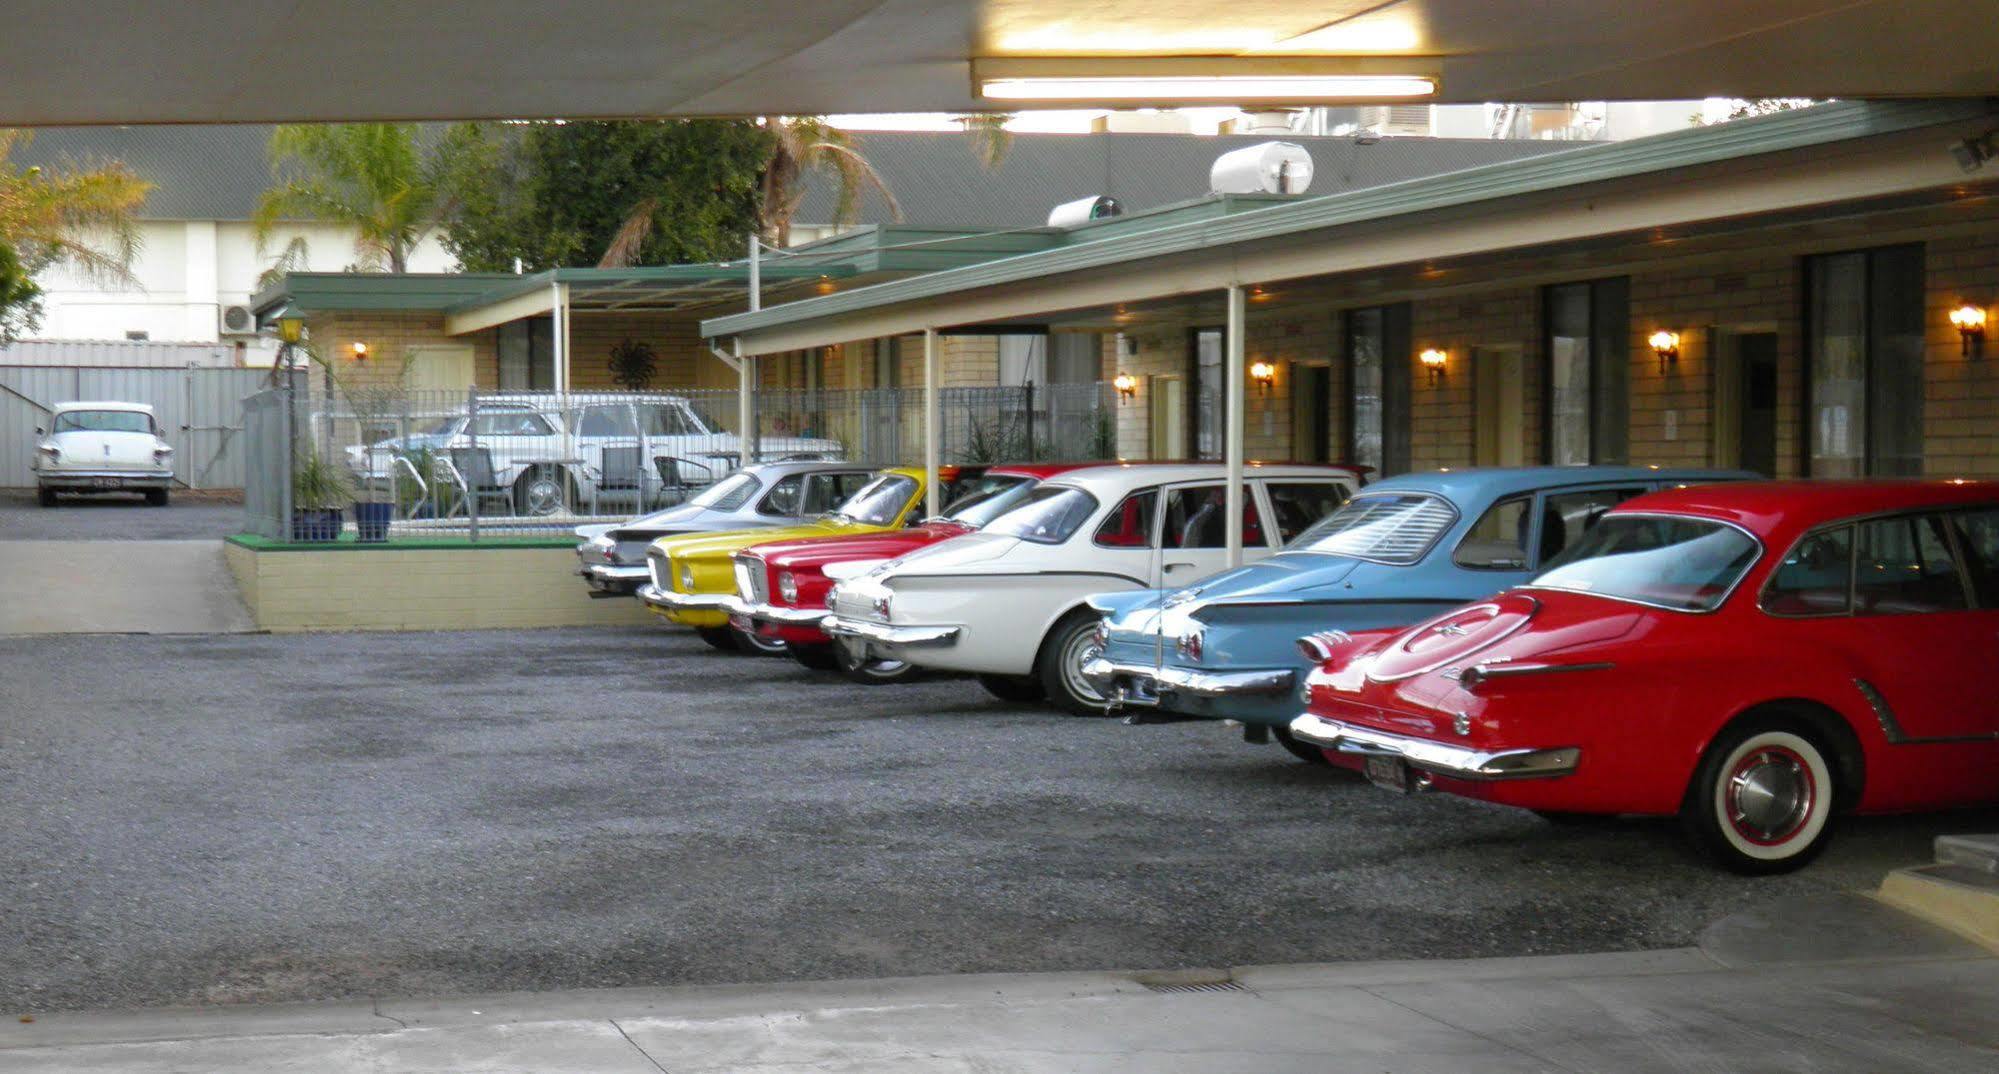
x,y
111,564
278,817
188,516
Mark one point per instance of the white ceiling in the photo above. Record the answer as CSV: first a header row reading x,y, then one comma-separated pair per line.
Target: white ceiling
x,y
132,61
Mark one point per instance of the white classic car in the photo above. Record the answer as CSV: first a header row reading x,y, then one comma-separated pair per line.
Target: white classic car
x,y
555,451
102,447
1009,602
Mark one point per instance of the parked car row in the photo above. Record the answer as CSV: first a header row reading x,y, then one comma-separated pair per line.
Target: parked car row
x,y
1571,640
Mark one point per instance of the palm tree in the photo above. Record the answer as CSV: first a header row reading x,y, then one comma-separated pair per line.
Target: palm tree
x,y
373,177
81,214
801,144
990,138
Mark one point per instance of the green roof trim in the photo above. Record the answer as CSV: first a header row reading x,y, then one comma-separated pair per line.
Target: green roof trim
x,y
311,292
1173,234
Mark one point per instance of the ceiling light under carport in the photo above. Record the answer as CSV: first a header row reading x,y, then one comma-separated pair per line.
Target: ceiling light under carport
x,y
1024,81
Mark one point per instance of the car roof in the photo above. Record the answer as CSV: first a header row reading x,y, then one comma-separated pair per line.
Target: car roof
x,y
143,408
1137,473
1779,510
805,466
1041,470
1510,480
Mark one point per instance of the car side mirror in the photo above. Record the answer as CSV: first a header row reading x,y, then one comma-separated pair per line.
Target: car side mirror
x,y
39,431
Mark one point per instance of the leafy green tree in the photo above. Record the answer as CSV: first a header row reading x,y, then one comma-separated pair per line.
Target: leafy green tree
x,y
20,299
611,194
81,215
376,178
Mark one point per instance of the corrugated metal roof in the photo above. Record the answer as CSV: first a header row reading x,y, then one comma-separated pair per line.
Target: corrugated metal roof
x,y
218,172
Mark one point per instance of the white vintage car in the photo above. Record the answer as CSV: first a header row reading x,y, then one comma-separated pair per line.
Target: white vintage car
x,y
1009,602
102,447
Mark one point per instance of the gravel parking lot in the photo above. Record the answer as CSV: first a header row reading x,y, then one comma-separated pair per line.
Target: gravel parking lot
x,y
187,516
263,818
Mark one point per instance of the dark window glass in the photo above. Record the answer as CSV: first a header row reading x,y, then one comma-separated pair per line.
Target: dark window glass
x,y
881,501
784,497
1864,329
1978,537
1904,565
1300,504
1378,398
1567,516
512,423
1129,525
1587,350
1815,576
1210,393
1051,514
1687,564
527,354
1498,540
1197,518
606,421
980,500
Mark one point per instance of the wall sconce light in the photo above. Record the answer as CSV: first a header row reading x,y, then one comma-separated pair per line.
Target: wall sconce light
x,y
359,351
1433,360
1969,320
1666,345
1126,385
1262,373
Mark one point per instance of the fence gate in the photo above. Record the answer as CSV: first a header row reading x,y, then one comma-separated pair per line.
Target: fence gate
x,y
199,409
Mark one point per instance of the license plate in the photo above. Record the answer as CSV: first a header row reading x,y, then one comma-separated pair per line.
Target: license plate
x,y
1389,772
106,482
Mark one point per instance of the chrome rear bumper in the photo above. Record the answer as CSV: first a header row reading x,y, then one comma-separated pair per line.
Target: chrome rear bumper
x,y
1439,758
774,613
684,602
1143,683
888,633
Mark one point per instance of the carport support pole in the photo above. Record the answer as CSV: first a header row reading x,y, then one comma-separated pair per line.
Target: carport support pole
x,y
1233,377
746,407
932,435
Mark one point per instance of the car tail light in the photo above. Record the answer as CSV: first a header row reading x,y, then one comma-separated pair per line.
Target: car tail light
x,y
1189,645
881,606
1320,647
162,451
787,587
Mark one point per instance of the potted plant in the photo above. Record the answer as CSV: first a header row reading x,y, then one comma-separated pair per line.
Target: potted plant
x,y
318,490
379,405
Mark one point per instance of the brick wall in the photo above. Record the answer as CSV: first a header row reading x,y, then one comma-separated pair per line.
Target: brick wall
x,y
1961,403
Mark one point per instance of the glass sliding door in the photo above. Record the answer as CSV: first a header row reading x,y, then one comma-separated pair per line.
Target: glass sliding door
x,y
1587,347
1377,347
1864,340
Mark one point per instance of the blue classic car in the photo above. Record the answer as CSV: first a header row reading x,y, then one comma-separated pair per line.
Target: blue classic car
x,y
1228,646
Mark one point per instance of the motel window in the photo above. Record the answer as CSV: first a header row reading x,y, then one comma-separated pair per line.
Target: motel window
x,y
1864,391
527,354
1206,357
1378,356
1586,345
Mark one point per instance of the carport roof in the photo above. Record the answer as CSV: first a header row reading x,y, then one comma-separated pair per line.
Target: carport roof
x,y
934,293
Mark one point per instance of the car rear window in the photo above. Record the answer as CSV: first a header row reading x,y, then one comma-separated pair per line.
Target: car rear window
x,y
1387,527
1686,564
1051,514
987,498
881,501
104,421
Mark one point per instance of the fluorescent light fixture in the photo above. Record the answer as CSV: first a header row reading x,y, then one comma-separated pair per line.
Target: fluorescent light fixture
x,y
1129,80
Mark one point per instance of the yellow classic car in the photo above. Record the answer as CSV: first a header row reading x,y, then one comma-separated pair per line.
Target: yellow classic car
x,y
694,575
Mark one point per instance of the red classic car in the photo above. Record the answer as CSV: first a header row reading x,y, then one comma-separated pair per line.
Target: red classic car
x,y
1756,658
781,587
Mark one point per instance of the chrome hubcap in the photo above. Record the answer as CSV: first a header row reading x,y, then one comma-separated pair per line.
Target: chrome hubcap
x,y
544,496
1770,795
1082,649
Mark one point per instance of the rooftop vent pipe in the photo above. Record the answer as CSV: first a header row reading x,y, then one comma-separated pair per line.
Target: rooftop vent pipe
x,y
1265,168
1083,210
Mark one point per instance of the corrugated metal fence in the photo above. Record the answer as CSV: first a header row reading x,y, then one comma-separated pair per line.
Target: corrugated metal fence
x,y
201,411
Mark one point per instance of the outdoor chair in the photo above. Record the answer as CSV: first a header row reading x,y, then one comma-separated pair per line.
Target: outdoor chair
x,y
624,477
469,475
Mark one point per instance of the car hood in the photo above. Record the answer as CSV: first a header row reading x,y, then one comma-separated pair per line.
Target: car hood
x,y
729,542
815,552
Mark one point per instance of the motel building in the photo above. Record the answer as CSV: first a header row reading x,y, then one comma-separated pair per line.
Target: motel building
x,y
1802,294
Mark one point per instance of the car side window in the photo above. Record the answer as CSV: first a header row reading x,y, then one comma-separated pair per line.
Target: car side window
x,y
1903,565
663,420
784,497
512,423
606,421
1566,516
1814,577
1129,525
846,484
1194,519
1498,540
1296,505
824,492
1978,537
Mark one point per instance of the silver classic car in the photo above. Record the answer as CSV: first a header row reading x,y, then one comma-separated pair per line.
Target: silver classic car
x,y
102,447
763,495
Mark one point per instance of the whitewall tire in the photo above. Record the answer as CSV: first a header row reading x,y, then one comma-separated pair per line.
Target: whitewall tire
x,y
1763,798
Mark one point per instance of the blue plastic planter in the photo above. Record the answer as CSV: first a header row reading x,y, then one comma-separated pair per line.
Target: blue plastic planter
x,y
316,524
371,520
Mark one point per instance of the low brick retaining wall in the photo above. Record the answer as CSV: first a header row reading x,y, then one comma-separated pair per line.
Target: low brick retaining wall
x,y
419,585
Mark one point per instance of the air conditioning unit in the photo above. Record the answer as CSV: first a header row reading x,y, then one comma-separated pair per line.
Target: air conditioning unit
x,y
237,321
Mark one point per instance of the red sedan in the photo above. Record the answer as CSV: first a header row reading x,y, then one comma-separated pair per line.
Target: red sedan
x,y
781,587
1756,658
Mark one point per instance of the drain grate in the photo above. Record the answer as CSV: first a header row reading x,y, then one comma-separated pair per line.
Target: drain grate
x,y
1195,986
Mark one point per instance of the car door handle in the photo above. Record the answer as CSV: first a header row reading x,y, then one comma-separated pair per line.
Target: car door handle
x,y
1170,566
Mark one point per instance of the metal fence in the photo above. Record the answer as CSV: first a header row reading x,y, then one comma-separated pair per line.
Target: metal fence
x,y
485,464
199,410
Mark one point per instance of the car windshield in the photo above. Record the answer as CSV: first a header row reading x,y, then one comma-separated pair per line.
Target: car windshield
x,y
1386,527
880,502
727,494
989,497
444,426
1050,514
1688,564
104,421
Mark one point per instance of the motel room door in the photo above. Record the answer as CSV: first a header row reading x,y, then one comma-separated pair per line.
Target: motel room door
x,y
1499,406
